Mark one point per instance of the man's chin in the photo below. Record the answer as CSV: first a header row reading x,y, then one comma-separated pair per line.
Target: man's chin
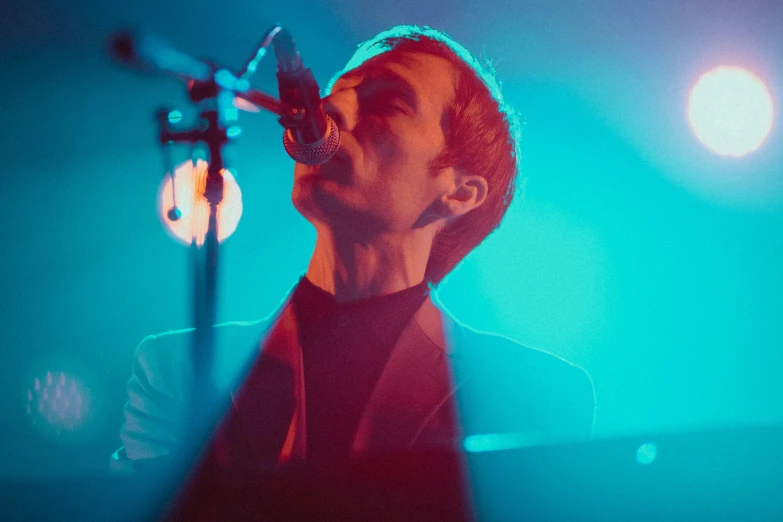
x,y
337,170
314,187
316,197
324,208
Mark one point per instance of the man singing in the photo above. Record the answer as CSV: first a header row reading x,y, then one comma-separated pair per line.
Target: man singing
x,y
358,358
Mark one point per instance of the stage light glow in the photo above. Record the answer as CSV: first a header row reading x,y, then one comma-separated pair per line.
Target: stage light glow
x,y
730,110
231,114
646,453
245,105
189,182
497,442
58,402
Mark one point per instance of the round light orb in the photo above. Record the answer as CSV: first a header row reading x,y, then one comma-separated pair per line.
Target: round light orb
x,y
646,453
186,195
730,111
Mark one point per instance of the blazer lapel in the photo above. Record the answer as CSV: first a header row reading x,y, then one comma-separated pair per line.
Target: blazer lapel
x,y
268,405
416,383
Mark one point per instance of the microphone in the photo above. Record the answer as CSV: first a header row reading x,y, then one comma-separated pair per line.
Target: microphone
x,y
311,136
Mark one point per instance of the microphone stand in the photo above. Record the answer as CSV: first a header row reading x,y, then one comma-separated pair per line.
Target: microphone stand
x,y
213,133
214,89
311,137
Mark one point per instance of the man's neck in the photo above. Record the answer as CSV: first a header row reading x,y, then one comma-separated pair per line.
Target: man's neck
x,y
351,271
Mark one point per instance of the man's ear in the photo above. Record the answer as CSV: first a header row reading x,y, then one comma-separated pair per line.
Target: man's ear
x,y
469,192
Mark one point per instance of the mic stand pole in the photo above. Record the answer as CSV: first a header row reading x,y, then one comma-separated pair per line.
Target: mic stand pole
x,y
201,408
215,89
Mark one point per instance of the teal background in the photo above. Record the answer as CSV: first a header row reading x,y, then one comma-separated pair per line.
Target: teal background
x,y
635,252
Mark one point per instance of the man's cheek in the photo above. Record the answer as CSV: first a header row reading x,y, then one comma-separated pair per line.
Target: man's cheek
x,y
383,144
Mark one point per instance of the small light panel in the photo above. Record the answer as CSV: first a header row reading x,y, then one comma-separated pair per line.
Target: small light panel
x,y
646,453
495,442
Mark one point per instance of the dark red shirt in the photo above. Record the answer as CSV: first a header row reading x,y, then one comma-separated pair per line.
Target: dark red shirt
x,y
345,347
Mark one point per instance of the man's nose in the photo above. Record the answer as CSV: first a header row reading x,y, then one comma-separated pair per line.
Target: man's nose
x,y
341,106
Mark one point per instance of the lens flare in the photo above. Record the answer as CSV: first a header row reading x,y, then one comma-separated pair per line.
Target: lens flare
x,y
187,192
730,111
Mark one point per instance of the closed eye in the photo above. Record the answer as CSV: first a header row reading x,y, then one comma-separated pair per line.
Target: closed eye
x,y
380,88
388,99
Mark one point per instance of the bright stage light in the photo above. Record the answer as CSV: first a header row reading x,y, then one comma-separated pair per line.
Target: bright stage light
x,y
730,110
189,181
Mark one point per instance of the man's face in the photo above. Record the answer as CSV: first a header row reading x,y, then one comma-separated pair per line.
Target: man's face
x,y
389,112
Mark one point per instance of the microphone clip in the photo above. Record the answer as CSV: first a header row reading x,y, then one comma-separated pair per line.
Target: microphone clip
x,y
300,103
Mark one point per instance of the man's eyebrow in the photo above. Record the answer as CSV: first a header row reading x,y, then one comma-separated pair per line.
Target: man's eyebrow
x,y
402,86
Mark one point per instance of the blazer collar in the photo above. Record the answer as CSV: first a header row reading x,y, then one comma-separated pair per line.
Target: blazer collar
x,y
268,398
416,381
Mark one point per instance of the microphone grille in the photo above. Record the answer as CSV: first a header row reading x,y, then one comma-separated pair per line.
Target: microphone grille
x,y
314,153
